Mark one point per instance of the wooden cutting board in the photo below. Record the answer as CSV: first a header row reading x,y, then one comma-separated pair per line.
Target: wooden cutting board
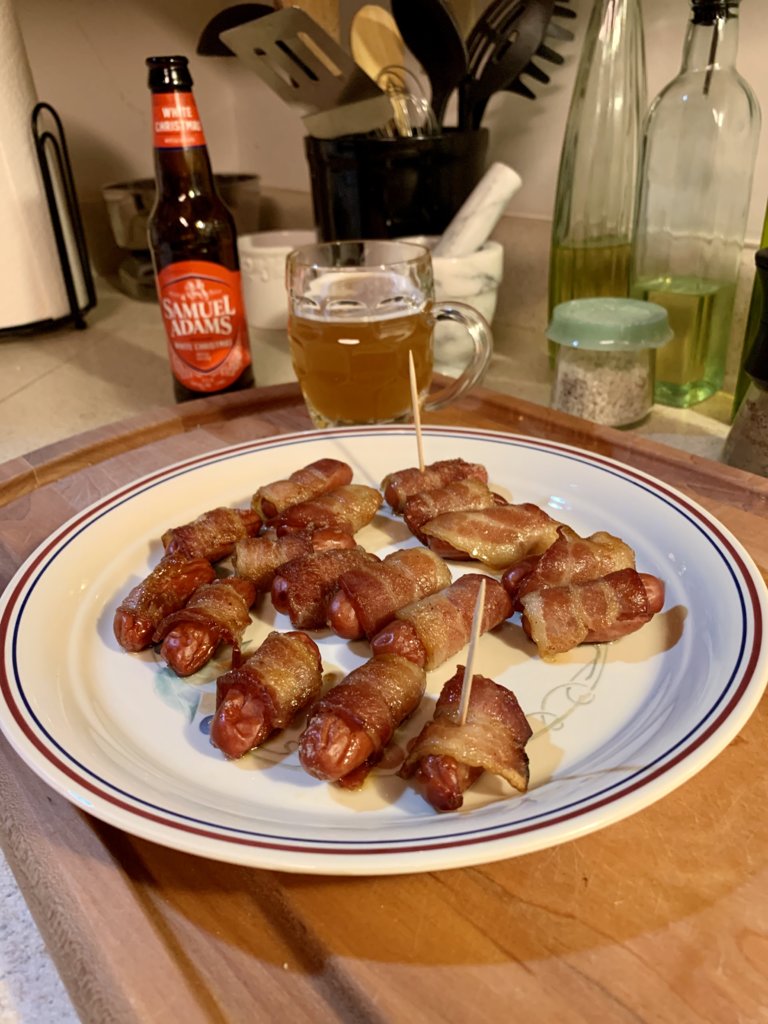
x,y
662,917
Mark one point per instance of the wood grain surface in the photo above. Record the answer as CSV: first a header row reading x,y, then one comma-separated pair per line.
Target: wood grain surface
x,y
659,918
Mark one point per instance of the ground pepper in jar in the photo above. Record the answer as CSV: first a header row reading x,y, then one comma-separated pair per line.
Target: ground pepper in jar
x,y
604,366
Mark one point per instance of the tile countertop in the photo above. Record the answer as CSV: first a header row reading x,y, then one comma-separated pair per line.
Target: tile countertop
x,y
62,383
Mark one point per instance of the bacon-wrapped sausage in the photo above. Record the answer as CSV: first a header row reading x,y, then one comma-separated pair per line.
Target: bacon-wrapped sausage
x,y
259,558
213,534
351,725
369,596
560,618
431,630
347,508
499,536
461,496
216,613
166,589
266,692
316,478
571,559
447,757
398,487
302,589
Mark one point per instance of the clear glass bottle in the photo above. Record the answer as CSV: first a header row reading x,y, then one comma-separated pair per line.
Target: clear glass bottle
x,y
699,148
596,187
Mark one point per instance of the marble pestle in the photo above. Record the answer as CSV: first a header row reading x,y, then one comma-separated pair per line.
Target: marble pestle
x,y
479,213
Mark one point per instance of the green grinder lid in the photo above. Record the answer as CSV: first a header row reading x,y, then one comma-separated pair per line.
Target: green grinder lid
x,y
608,323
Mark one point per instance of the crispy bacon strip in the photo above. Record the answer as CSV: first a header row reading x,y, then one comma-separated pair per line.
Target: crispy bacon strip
x,y
369,597
351,725
398,487
498,536
558,619
347,508
468,495
259,558
570,559
314,479
446,758
266,692
431,630
166,589
216,613
303,587
212,535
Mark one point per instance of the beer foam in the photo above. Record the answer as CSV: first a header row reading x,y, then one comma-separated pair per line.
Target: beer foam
x,y
361,296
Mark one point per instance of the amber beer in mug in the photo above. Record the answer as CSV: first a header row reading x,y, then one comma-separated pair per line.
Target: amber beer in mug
x,y
356,311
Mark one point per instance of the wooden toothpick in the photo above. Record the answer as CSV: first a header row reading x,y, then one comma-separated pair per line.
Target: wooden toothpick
x,y
416,409
477,618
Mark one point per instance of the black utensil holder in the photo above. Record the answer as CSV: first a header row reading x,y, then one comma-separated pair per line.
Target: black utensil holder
x,y
367,187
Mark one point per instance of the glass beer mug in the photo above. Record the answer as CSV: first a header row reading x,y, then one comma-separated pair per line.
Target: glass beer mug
x,y
356,311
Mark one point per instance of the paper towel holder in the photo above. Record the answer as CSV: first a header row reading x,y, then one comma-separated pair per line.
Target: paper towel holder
x,y
66,222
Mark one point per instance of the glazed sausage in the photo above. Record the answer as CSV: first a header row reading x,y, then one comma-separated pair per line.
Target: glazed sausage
x,y
259,558
560,618
347,508
499,536
468,495
302,589
216,613
449,755
369,596
570,559
314,479
351,725
166,589
213,534
266,692
431,630
398,487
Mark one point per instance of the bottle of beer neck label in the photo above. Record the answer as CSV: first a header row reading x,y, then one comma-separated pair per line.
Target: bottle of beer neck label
x,y
193,241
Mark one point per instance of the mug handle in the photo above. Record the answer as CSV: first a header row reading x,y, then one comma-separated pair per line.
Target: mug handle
x,y
479,331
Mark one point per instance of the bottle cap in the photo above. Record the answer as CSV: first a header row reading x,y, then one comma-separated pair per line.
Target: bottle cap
x,y
168,73
605,324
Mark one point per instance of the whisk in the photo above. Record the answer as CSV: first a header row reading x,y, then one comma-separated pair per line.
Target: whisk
x,y
412,114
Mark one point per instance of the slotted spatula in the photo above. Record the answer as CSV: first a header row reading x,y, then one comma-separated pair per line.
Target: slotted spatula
x,y
309,70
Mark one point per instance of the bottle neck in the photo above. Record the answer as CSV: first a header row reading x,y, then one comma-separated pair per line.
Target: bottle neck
x,y
712,38
182,164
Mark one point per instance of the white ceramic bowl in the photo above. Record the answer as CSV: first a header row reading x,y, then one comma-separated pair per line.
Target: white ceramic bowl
x,y
473,279
262,267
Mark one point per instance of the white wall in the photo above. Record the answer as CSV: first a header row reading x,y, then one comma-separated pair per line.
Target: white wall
x,y
88,56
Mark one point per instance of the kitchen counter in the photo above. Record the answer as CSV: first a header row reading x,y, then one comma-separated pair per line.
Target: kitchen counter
x,y
59,384
66,382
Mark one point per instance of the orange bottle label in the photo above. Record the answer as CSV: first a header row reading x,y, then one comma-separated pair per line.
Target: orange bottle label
x,y
202,308
175,121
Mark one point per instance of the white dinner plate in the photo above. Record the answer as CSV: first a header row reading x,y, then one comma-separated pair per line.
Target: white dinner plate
x,y
615,726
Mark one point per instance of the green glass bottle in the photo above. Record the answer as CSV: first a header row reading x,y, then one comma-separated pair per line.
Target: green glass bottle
x,y
754,318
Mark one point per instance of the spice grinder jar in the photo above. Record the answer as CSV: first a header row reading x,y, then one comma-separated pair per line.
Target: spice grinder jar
x,y
605,360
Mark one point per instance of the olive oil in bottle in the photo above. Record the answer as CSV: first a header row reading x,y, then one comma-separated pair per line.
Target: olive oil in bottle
x,y
690,367
596,269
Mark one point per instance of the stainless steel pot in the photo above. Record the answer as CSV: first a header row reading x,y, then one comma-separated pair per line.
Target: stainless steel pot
x,y
129,204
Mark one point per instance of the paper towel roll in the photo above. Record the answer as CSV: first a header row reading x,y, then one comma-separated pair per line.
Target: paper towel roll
x,y
31,281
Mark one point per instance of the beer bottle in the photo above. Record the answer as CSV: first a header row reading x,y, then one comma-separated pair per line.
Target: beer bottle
x,y
193,241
